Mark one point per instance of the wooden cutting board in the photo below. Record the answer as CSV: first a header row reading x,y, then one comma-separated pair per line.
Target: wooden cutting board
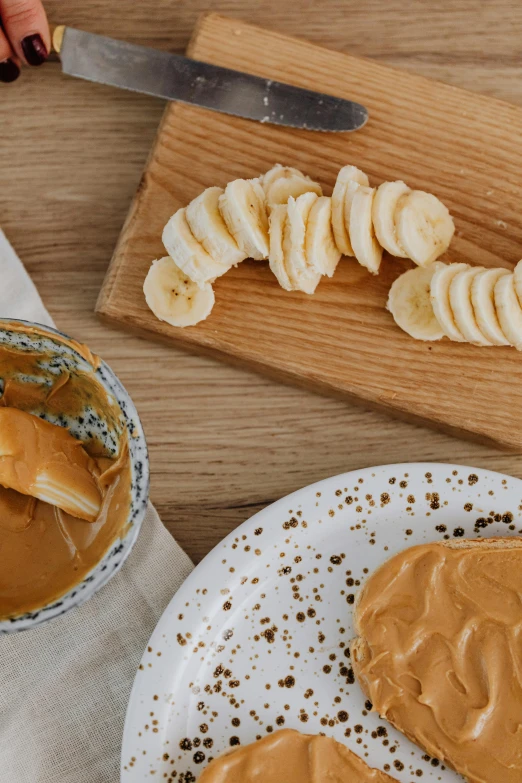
x,y
463,147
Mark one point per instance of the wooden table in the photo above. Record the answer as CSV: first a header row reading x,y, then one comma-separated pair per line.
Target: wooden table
x,y
223,443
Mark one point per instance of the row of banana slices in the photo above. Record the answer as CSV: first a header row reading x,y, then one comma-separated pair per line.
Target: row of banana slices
x,y
309,233
284,217
465,303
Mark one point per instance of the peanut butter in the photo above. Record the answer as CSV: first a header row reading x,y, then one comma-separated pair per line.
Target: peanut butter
x,y
439,652
290,757
45,551
43,460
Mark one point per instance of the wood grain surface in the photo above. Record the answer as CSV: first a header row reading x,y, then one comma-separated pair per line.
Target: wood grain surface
x,y
223,443
341,341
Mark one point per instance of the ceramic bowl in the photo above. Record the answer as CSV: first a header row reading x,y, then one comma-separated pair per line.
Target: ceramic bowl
x,y
60,353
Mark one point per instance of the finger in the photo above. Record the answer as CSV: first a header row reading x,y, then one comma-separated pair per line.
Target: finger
x,y
9,70
26,27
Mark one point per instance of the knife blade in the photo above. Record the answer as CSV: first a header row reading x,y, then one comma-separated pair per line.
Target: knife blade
x,y
177,78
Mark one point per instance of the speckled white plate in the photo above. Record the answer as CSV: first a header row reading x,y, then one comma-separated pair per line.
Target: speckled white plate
x,y
257,636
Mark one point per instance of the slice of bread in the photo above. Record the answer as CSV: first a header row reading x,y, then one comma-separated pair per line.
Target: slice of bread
x,y
439,652
288,756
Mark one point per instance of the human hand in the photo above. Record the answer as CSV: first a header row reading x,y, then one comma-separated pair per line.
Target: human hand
x,y
24,36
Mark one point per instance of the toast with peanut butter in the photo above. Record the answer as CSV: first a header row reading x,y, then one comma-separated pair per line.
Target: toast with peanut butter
x,y
439,652
288,756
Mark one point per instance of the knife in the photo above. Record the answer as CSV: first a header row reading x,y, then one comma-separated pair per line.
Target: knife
x,y
177,78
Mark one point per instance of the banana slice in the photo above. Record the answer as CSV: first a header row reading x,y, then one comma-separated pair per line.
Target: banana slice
x,y
282,189
281,182
298,213
173,297
243,209
517,272
409,303
483,301
209,228
276,258
187,253
340,210
278,172
424,226
302,276
440,299
366,248
283,252
462,307
322,254
508,309
383,213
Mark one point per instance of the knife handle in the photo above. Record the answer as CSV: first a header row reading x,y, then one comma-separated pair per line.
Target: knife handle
x,y
57,34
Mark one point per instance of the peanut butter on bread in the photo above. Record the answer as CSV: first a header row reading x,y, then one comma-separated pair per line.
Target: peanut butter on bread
x,y
439,652
290,757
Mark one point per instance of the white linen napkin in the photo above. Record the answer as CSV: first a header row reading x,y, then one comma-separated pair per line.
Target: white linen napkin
x,y
64,686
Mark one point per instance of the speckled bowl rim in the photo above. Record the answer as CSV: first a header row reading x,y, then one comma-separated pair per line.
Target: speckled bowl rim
x,y
121,548
264,519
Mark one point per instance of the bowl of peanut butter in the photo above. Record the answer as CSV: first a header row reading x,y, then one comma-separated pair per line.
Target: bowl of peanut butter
x,y
74,474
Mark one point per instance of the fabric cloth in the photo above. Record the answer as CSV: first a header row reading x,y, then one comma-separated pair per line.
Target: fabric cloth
x,y
64,686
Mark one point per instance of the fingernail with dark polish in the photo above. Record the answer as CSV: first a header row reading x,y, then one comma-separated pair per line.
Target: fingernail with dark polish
x,y
9,71
34,49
